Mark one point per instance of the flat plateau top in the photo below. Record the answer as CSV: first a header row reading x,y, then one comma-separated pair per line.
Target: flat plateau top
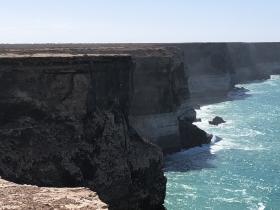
x,y
58,55
15,196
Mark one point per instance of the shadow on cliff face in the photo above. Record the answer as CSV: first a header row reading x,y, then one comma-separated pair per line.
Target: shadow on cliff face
x,y
237,93
196,158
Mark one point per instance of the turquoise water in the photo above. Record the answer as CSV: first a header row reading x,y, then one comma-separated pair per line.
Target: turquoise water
x,y
242,171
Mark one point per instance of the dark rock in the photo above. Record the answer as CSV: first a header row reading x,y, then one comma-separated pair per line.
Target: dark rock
x,y
191,135
169,143
240,89
159,84
217,121
64,123
198,120
196,106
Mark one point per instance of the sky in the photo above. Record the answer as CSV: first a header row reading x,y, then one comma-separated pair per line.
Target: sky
x,y
139,21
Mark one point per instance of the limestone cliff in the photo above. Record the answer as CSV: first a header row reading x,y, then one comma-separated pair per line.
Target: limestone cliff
x,y
89,120
214,68
209,68
160,98
160,101
64,122
163,93
254,61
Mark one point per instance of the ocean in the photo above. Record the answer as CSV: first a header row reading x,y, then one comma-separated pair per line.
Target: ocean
x,y
241,171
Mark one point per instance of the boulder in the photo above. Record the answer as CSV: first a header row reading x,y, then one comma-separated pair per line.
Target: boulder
x,y
217,121
191,135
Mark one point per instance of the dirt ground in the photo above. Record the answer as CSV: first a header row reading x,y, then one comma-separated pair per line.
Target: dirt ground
x,y
14,196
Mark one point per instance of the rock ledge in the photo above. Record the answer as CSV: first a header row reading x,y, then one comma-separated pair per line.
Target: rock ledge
x,y
15,196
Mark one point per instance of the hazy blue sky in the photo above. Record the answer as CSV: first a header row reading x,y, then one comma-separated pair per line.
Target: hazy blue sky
x,y
30,21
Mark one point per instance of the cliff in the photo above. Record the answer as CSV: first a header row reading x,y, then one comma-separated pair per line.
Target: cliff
x,y
214,68
64,123
78,119
160,110
160,104
169,78
209,68
255,61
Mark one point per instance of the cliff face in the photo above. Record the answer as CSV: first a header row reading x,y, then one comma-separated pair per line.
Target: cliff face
x,y
243,57
64,122
160,110
209,68
160,101
268,57
160,98
214,68
169,78
160,85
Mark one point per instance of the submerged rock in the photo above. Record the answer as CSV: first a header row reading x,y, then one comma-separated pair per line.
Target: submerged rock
x,y
217,121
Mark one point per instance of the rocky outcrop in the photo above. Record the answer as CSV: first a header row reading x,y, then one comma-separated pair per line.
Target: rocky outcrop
x,y
217,121
64,122
191,135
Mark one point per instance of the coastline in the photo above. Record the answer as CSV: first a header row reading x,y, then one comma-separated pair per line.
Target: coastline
x,y
144,95
238,170
237,93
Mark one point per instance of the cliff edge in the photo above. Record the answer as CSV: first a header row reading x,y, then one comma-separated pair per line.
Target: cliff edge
x,y
15,196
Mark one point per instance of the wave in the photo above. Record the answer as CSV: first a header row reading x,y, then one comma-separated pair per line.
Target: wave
x,y
232,144
192,159
261,206
274,77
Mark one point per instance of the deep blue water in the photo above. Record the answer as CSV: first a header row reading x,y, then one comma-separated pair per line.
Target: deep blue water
x,y
242,171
